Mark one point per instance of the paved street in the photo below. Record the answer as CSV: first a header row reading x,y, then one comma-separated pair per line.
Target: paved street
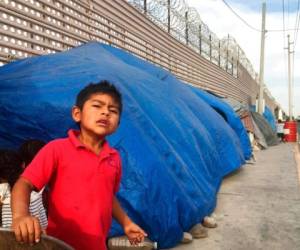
x,y
258,206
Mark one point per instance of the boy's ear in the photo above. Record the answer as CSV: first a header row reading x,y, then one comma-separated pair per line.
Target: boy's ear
x,y
76,114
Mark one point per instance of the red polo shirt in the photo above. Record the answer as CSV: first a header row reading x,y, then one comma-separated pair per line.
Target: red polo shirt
x,y
82,187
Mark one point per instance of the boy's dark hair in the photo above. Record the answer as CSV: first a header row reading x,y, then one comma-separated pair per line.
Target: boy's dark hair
x,y
104,87
29,149
10,166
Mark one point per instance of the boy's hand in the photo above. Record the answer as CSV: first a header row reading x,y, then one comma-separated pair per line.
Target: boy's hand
x,y
134,233
27,229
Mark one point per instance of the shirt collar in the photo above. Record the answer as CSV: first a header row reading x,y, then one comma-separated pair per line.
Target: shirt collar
x,y
105,151
73,136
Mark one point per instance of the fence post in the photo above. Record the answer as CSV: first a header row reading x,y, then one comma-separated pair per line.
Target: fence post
x,y
210,47
238,62
145,7
186,28
219,62
31,36
200,40
227,53
169,16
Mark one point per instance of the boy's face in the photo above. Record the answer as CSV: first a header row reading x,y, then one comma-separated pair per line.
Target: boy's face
x,y
99,115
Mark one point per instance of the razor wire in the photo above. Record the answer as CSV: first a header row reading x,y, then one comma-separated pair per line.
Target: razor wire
x,y
184,23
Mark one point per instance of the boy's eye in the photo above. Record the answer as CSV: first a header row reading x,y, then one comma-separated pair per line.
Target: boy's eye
x,y
114,111
96,106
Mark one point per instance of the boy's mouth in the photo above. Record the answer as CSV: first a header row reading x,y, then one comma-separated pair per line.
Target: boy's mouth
x,y
102,122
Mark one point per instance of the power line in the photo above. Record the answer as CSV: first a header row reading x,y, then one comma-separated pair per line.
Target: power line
x,y
250,26
232,10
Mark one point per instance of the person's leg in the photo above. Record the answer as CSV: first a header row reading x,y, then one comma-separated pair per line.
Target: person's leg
x,y
279,136
282,137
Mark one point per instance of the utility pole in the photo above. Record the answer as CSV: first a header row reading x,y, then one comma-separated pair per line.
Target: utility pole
x,y
289,78
262,59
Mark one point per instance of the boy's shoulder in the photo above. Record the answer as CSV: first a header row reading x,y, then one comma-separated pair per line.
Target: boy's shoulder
x,y
57,144
59,141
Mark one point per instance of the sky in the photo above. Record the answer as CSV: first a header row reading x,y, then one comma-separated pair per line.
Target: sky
x,y
222,21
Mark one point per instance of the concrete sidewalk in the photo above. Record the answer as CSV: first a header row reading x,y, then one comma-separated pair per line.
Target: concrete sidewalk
x,y
258,206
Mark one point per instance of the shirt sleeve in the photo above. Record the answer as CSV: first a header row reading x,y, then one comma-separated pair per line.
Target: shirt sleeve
x,y
119,175
42,167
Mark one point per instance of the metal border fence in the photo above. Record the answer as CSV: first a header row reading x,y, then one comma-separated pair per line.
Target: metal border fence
x,y
37,27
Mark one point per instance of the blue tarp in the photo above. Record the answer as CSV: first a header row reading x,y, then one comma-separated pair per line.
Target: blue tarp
x,y
175,147
219,105
230,117
270,118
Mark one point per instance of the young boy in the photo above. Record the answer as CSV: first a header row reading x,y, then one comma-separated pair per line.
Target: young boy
x,y
83,174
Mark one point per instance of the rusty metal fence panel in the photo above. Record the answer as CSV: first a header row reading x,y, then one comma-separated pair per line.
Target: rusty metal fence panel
x,y
37,27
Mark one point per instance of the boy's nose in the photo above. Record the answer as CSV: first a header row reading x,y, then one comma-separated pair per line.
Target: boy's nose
x,y
105,111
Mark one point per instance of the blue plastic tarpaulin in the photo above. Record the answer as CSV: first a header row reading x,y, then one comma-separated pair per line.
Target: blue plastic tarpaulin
x,y
219,105
175,147
270,118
